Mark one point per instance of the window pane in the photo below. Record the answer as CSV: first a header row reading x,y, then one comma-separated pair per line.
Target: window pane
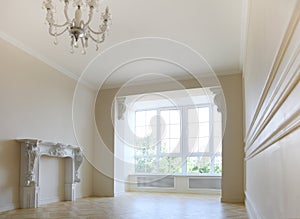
x,y
164,117
174,145
203,145
217,144
145,146
198,165
175,131
217,129
140,165
165,131
218,164
140,118
174,117
203,129
193,145
170,165
203,114
151,117
145,165
192,165
205,163
165,145
198,115
139,150
175,165
193,130
150,131
140,131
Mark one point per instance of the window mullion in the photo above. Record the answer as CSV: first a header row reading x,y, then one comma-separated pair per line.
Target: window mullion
x,y
211,138
184,138
158,139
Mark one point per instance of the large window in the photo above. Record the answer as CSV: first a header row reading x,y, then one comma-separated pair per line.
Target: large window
x,y
183,140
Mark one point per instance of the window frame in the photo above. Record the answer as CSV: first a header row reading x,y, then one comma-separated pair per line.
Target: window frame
x,y
184,137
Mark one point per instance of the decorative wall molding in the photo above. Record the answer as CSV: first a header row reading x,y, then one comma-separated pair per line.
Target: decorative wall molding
x,y
284,129
286,83
277,100
31,152
121,107
219,99
258,121
279,86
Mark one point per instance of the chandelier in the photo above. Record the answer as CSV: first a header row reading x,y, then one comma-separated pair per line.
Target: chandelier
x,y
79,30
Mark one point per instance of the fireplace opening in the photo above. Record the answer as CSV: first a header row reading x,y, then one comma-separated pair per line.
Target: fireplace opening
x,y
52,179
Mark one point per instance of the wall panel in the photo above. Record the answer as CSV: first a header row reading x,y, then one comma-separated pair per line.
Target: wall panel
x,y
273,116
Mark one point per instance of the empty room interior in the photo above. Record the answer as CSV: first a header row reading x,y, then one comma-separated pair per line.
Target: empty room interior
x,y
150,109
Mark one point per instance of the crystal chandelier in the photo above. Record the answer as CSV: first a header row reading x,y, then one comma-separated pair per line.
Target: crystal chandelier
x,y
79,30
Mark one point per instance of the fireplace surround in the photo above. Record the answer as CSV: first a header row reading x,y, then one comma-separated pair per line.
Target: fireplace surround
x,y
31,152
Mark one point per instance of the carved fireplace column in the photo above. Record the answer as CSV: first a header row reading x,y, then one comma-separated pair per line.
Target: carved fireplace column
x,y
31,152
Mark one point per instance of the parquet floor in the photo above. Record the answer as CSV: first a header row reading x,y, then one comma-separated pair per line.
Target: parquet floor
x,y
136,206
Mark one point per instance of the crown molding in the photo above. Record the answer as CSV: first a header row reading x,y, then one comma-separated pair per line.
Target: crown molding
x,y
245,19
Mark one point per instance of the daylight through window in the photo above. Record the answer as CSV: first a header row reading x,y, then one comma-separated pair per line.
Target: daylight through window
x,y
182,140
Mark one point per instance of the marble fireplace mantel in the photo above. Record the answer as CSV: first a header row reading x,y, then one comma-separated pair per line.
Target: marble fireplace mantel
x,y
31,152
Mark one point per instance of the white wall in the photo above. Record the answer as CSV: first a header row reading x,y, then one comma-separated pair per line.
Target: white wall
x,y
272,109
36,102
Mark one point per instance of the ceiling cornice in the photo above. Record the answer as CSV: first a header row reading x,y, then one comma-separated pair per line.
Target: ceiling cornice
x,y
244,31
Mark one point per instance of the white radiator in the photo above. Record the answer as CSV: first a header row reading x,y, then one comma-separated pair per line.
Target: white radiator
x,y
156,182
204,183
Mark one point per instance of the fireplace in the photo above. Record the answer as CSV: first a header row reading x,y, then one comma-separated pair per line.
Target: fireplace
x,y
31,152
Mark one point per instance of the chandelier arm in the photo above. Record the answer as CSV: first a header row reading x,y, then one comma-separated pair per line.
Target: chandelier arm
x,y
57,34
90,17
66,11
60,25
98,41
95,32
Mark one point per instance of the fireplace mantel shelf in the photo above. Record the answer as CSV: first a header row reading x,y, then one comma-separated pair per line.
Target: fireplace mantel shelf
x,y
31,152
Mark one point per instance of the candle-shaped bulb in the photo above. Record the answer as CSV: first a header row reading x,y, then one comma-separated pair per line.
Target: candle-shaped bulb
x,y
78,16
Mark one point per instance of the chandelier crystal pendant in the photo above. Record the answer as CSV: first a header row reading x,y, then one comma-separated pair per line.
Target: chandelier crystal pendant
x,y
79,30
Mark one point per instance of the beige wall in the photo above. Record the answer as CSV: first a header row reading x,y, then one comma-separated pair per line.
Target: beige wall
x,y
103,182
233,176
36,102
233,154
272,109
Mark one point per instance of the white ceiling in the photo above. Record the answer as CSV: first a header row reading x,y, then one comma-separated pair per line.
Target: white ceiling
x,y
212,27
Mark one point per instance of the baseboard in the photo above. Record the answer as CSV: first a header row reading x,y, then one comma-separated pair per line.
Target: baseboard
x,y
45,200
83,195
252,211
188,191
232,199
51,199
9,206
60,198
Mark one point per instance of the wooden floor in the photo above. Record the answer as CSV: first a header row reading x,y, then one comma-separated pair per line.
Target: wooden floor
x,y
136,206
